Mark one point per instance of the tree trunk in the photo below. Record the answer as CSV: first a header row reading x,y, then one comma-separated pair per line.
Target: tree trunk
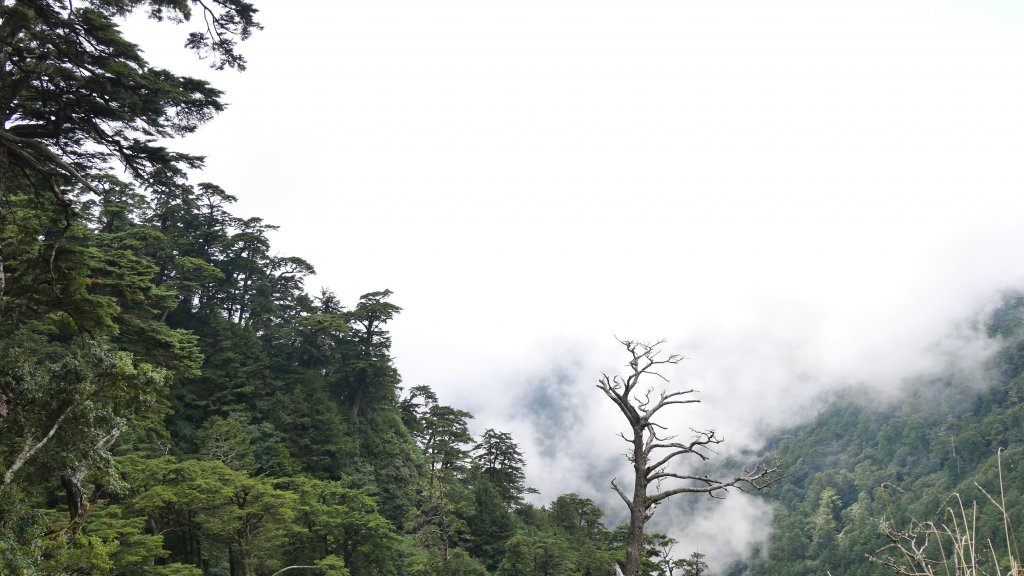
x,y
635,544
74,493
638,510
357,399
640,408
194,548
232,561
444,532
31,447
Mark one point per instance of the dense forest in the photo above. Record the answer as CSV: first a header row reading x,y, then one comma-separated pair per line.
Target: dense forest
x,y
868,468
173,401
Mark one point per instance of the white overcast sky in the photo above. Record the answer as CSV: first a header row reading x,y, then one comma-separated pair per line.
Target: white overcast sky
x,y
794,194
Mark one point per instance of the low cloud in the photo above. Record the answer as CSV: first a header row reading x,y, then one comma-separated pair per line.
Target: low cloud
x,y
724,530
751,383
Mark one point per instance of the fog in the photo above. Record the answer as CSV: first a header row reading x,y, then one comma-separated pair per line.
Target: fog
x,y
797,196
752,381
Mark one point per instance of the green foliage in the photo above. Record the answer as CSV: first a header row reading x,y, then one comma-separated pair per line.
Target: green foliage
x,y
61,402
340,527
367,373
490,522
225,440
21,532
577,515
313,431
445,438
856,465
213,515
501,462
692,566
390,452
414,407
537,556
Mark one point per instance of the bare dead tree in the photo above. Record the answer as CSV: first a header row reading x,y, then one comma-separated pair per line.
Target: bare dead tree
x,y
652,450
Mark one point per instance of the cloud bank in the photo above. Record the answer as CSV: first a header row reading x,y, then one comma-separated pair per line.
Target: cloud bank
x,y
752,380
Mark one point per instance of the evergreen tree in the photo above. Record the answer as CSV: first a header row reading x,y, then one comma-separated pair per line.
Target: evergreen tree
x,y
694,565
501,462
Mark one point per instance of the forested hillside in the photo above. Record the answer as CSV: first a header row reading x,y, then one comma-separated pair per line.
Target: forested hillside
x,y
172,400
866,460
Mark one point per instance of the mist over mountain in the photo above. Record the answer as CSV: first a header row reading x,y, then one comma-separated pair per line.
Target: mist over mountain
x,y
754,390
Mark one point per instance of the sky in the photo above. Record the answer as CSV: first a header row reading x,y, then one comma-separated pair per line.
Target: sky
x,y
796,196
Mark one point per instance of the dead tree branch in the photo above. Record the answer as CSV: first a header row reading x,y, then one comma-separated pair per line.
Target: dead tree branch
x,y
651,454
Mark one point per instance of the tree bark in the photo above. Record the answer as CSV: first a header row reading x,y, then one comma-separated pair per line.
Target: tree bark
x,y
31,447
638,509
232,561
74,494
